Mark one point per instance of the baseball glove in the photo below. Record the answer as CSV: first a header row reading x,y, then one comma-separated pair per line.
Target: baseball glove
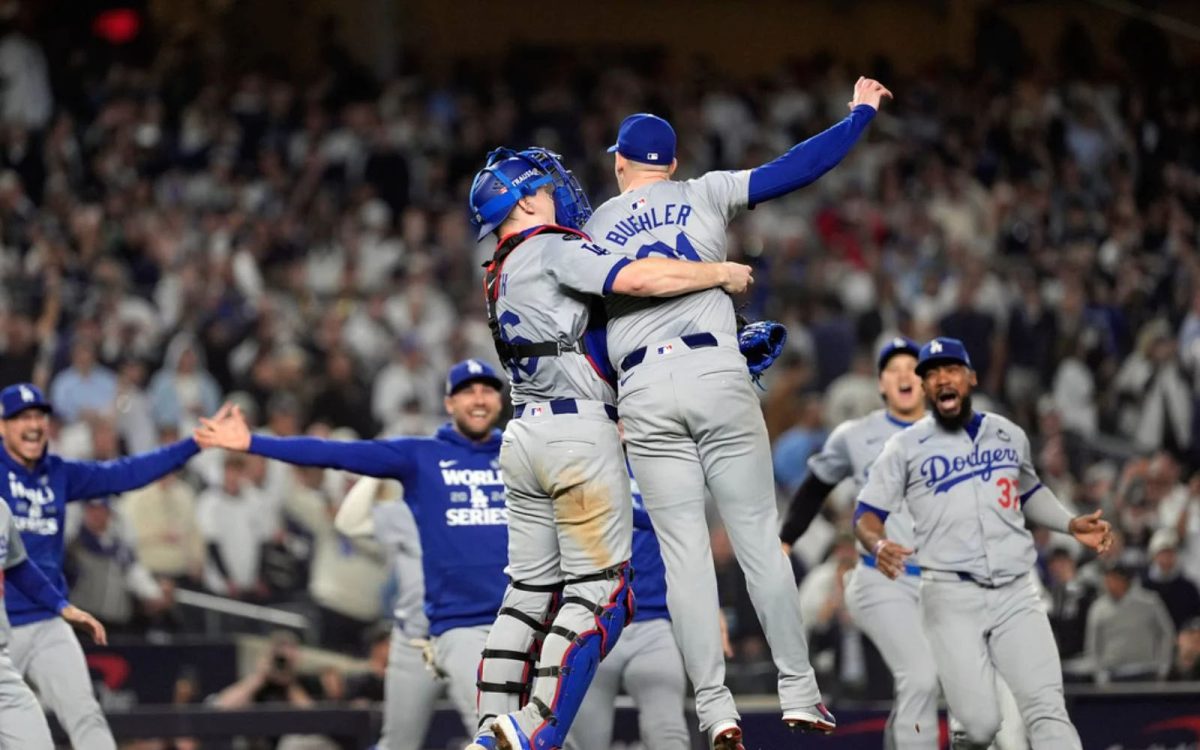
x,y
761,343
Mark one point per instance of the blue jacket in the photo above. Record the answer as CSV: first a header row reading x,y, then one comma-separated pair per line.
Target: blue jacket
x,y
456,493
38,499
649,573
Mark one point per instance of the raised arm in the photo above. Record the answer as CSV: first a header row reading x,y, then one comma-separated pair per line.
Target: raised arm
x,y
805,162
375,458
88,479
354,517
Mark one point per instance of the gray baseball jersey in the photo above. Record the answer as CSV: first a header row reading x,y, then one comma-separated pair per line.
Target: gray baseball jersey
x,y
965,495
684,220
12,552
848,454
556,275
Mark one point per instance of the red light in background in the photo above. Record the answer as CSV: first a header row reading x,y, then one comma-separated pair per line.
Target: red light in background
x,y
117,25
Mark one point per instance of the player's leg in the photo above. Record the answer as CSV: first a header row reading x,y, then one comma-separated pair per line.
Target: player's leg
x,y
506,663
456,654
655,679
954,618
1025,654
1012,735
736,455
22,723
584,473
52,659
409,692
889,612
593,725
667,466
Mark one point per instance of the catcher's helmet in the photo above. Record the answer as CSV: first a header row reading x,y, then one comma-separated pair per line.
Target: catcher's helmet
x,y
507,178
571,206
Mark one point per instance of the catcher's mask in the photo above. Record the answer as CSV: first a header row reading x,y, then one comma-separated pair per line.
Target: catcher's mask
x,y
571,206
507,178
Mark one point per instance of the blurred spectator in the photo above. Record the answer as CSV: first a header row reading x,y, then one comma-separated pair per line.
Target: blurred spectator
x,y
793,447
163,520
104,573
182,391
26,100
347,575
1130,635
853,394
745,632
135,415
1187,652
367,687
343,400
1157,411
1165,578
1070,600
232,519
85,386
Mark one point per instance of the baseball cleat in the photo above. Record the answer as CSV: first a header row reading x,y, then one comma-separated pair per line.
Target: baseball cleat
x,y
727,735
812,719
508,735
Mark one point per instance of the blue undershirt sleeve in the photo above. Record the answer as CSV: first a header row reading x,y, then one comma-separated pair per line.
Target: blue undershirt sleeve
x,y
805,162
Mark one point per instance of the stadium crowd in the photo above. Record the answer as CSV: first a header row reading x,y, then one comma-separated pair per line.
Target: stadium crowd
x,y
184,233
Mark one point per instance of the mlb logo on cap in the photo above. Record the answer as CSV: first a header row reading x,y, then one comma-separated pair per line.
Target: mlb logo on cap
x,y
17,398
469,371
646,138
943,350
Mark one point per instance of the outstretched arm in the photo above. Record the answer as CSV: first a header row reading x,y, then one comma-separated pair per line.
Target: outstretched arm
x,y
805,162
88,479
806,503
376,458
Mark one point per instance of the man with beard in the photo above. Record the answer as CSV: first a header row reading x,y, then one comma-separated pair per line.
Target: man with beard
x,y
968,481
452,484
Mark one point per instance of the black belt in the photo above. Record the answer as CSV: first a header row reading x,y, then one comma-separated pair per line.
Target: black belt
x,y
692,340
565,406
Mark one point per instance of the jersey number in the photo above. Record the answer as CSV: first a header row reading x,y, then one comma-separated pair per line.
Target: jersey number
x,y
683,250
1007,499
507,320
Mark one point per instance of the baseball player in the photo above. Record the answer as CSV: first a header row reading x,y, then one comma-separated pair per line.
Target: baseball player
x,y
37,488
410,689
452,484
570,514
678,359
646,661
968,481
22,723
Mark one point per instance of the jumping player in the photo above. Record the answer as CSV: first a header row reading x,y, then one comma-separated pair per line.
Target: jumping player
x,y
570,514
38,487
452,484
22,722
968,480
693,419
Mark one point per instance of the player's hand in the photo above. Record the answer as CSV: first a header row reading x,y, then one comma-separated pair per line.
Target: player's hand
x,y
889,558
226,429
81,620
1092,531
870,92
736,277
787,548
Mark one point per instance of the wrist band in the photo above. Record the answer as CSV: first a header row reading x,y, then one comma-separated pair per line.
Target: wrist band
x,y
878,545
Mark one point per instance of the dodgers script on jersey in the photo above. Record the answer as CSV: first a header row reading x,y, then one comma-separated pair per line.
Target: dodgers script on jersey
x,y
848,454
965,495
555,274
681,220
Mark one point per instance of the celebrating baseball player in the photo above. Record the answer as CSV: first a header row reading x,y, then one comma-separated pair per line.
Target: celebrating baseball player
x,y
677,359
452,484
410,689
646,661
38,487
569,508
968,481
22,722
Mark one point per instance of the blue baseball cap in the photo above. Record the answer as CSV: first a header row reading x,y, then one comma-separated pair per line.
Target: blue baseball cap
x,y
468,371
645,138
898,345
17,398
942,350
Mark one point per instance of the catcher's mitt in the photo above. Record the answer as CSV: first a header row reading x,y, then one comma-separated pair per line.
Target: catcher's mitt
x,y
761,344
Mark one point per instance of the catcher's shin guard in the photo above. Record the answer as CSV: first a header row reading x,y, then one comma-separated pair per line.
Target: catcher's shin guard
x,y
595,610
513,645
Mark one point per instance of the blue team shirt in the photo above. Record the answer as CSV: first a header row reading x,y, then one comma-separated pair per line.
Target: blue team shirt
x,y
38,499
649,573
456,492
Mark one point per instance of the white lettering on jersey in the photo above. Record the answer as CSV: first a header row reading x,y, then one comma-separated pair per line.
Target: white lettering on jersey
x,y
477,517
471,477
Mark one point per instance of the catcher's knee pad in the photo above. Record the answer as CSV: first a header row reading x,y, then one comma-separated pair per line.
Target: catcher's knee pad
x,y
513,645
595,610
